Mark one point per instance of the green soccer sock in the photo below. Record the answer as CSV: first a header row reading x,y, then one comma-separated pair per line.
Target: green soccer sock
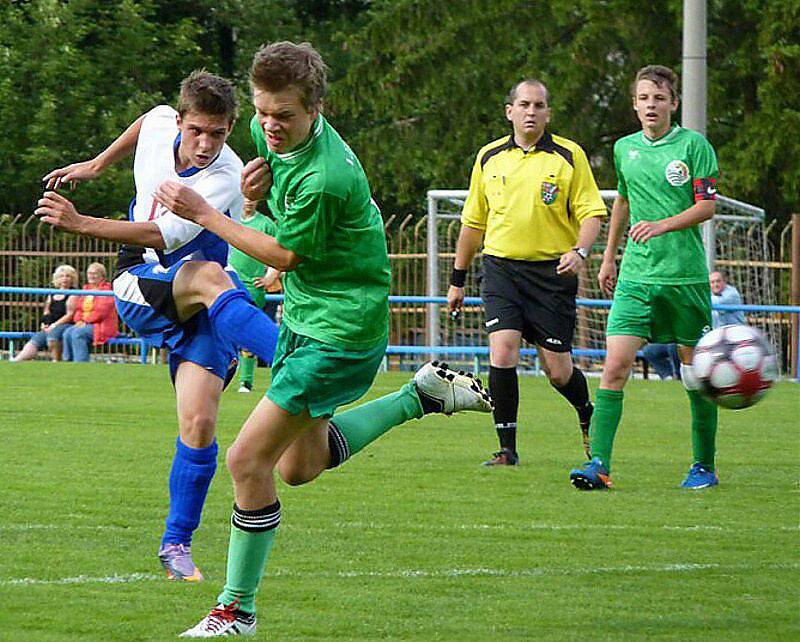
x,y
365,423
247,367
704,429
248,551
605,420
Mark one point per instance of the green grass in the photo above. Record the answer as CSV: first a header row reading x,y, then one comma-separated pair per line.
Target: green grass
x,y
411,539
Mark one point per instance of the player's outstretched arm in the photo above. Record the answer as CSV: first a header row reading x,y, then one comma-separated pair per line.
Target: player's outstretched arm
x,y
87,170
59,211
183,201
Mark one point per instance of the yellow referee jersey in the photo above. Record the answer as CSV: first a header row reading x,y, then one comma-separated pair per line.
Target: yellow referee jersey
x,y
531,204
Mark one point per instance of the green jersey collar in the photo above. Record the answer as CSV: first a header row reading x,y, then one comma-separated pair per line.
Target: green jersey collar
x,y
297,152
673,131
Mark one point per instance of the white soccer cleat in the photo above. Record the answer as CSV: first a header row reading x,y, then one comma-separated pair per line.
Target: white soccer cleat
x,y
444,390
223,621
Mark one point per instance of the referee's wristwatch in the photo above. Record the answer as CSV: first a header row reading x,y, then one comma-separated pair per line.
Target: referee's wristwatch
x,y
581,252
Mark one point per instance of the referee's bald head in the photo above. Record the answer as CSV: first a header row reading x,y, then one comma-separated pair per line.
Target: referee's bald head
x,y
512,93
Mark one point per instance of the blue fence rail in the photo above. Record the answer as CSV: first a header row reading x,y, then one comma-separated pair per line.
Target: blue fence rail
x,y
440,350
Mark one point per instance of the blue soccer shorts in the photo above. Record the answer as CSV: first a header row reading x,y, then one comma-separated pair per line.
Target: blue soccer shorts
x,y
143,296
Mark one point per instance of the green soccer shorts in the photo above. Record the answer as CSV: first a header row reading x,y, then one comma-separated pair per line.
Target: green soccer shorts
x,y
319,377
661,313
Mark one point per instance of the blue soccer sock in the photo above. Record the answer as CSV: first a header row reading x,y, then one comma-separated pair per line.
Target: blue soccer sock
x,y
191,475
238,322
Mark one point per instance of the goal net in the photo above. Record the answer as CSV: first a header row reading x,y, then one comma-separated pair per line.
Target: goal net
x,y
742,252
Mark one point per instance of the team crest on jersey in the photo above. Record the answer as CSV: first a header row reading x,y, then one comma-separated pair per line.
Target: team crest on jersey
x,y
288,201
677,173
549,192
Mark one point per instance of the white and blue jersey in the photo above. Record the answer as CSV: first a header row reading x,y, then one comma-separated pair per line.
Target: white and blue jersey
x,y
143,284
217,183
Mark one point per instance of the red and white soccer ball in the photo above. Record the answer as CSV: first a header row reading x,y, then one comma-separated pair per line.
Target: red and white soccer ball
x,y
735,365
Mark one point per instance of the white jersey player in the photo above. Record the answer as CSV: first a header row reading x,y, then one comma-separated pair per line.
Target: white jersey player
x,y
171,286
217,182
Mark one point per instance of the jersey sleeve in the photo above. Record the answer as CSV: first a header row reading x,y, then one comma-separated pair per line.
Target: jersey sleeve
x,y
305,226
705,170
270,227
622,187
476,207
584,197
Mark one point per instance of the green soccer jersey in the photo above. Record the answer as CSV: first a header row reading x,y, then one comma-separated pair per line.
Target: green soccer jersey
x,y
662,178
321,201
245,265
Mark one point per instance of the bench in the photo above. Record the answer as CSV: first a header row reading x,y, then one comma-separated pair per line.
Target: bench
x,y
143,344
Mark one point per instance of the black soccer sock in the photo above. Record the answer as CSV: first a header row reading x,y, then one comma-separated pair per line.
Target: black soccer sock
x,y
504,389
576,391
337,444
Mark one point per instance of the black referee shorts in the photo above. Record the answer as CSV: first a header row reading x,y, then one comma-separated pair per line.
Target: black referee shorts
x,y
530,297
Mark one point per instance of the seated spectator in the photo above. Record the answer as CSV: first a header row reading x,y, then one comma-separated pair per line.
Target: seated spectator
x,y
58,312
723,293
663,357
95,320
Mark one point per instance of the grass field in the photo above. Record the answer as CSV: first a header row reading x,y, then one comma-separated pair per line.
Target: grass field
x,y
411,539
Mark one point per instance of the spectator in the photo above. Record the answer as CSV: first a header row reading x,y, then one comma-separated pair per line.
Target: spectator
x,y
57,317
664,359
723,293
95,317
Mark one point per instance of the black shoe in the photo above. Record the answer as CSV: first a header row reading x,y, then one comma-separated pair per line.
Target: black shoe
x,y
585,419
503,457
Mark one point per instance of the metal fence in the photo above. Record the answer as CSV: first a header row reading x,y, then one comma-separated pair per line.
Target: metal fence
x,y
30,251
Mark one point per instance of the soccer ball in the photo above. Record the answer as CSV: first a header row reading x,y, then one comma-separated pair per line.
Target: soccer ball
x,y
735,366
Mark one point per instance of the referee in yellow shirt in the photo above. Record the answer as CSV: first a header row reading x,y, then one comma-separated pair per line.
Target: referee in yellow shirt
x,y
533,197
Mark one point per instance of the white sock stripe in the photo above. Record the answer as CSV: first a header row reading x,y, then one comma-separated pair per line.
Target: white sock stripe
x,y
256,522
258,519
344,448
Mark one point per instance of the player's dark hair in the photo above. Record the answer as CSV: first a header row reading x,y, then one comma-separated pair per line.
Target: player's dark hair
x,y
660,75
512,93
205,93
279,65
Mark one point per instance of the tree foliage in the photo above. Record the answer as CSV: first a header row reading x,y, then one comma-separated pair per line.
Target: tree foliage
x,y
416,87
425,88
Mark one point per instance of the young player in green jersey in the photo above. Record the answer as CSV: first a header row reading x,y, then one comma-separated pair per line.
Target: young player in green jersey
x,y
667,186
329,239
259,280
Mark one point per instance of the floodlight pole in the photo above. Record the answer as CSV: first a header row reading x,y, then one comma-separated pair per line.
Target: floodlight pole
x,y
694,92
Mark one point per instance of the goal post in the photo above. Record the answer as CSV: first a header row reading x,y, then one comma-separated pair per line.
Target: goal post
x,y
741,247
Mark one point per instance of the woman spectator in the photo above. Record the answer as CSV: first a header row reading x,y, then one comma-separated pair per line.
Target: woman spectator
x,y
58,312
95,317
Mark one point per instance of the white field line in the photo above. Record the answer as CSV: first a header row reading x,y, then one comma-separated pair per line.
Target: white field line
x,y
563,527
10,528
431,574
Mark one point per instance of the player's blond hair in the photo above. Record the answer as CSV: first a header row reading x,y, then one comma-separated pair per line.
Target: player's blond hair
x,y
279,65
